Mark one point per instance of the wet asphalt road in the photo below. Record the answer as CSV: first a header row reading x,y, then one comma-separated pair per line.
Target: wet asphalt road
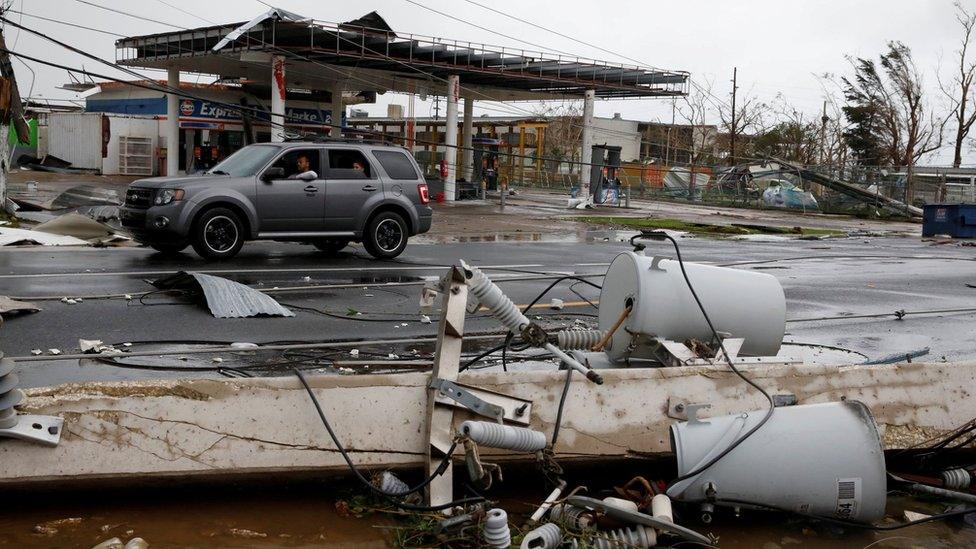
x,y
821,278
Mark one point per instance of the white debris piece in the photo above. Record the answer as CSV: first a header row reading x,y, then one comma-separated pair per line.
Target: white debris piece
x,y
306,279
405,324
393,356
346,370
54,351
90,345
354,352
128,297
424,319
11,236
556,304
127,344
36,352
217,359
243,345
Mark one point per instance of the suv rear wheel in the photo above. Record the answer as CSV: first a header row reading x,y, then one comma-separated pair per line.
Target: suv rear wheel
x,y
330,247
386,235
218,234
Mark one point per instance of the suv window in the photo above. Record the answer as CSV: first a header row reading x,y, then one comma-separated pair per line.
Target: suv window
x,y
396,164
349,164
247,161
298,161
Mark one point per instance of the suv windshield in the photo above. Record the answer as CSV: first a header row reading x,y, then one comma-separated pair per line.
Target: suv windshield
x,y
246,162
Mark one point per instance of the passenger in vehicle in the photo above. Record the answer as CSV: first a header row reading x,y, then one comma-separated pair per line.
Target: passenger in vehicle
x,y
302,166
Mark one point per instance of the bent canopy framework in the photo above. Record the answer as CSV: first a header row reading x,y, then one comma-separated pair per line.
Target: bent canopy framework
x,y
367,54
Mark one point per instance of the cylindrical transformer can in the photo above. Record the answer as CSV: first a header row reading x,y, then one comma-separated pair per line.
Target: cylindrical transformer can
x,y
742,304
822,459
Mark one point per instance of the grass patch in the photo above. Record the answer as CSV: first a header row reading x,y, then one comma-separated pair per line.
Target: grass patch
x,y
10,220
699,228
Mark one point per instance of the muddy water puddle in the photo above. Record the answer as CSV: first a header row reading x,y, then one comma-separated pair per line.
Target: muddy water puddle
x,y
315,513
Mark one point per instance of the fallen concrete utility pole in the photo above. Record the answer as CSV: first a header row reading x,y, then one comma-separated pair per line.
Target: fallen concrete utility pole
x,y
221,429
848,189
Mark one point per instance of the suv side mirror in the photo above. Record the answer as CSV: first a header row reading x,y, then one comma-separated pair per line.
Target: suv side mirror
x,y
273,173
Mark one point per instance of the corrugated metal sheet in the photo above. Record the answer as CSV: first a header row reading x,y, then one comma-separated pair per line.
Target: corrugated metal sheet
x,y
77,138
225,298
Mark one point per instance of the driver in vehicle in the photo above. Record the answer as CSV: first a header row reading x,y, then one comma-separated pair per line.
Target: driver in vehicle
x,y
303,166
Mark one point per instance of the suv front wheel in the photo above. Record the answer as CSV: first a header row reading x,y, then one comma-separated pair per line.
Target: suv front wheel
x,y
386,235
218,234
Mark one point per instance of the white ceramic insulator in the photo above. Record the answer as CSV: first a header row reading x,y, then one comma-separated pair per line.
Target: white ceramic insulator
x,y
506,437
956,479
638,537
491,296
661,508
571,517
622,504
10,395
578,339
390,484
497,534
547,536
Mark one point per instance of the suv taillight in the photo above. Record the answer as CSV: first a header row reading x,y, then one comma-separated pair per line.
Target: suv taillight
x,y
424,193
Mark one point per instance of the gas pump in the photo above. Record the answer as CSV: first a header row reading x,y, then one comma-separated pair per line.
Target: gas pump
x,y
485,160
604,181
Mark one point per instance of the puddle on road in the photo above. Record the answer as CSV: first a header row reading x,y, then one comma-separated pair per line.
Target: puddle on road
x,y
569,236
313,513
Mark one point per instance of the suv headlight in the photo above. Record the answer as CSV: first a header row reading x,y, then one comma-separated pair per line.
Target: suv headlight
x,y
165,196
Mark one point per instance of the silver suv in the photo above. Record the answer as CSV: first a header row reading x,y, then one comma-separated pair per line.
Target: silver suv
x,y
325,193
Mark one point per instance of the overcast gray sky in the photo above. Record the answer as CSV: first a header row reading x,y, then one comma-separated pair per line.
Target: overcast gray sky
x,y
779,46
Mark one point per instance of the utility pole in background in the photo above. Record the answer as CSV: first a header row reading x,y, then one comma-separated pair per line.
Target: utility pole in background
x,y
13,110
733,126
823,135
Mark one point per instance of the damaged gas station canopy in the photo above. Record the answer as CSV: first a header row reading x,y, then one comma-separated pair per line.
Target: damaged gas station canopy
x,y
225,298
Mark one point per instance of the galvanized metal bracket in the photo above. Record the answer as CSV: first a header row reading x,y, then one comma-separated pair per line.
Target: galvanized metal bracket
x,y
679,409
467,399
733,345
44,430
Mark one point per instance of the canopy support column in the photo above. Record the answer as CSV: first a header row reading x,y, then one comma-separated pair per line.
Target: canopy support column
x,y
172,124
467,155
277,99
450,136
586,155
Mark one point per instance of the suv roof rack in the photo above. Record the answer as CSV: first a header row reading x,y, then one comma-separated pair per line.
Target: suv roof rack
x,y
327,139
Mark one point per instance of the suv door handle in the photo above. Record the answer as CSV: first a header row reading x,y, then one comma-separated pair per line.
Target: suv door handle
x,y
311,189
369,188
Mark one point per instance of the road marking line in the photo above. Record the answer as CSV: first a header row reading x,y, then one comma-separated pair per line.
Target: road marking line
x,y
267,270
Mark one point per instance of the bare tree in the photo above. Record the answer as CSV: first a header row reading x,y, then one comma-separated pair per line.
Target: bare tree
x,y
959,90
834,152
564,134
750,118
792,136
696,141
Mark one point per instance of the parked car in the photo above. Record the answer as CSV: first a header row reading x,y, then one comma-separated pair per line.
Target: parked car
x,y
325,193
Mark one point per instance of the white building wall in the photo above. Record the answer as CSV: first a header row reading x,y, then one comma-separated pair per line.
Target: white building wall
x,y
77,138
618,132
129,126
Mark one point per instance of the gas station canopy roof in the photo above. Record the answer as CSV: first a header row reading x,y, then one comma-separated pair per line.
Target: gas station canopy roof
x,y
366,55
